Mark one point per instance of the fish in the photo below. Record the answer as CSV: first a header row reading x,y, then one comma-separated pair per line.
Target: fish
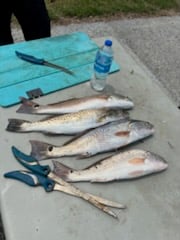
x,y
76,104
102,139
70,123
130,164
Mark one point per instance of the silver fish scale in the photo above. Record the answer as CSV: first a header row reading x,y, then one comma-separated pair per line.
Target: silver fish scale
x,y
75,122
98,139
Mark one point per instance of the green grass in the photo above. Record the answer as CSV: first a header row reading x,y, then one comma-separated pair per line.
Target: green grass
x,y
87,8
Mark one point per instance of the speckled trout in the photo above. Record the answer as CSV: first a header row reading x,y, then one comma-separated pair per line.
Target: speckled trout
x,y
69,123
125,165
76,104
102,139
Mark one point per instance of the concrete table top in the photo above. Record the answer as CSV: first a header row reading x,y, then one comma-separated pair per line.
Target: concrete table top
x,y
153,202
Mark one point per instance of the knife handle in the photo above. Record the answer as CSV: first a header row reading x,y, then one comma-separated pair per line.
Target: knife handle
x,y
30,58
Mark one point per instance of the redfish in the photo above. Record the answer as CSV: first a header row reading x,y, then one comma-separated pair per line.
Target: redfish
x,y
76,104
102,139
70,123
126,165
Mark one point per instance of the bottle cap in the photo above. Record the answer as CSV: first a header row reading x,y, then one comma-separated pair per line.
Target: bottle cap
x,y
108,43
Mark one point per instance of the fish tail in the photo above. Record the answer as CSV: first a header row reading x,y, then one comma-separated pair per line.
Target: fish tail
x,y
62,170
17,125
27,106
40,150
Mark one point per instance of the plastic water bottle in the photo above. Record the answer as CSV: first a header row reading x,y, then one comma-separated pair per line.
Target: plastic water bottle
x,y
102,66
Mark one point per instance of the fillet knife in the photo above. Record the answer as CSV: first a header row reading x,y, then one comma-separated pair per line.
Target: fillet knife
x,y
41,61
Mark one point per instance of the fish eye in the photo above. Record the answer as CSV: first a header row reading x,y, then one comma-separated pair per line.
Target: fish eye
x,y
36,105
50,148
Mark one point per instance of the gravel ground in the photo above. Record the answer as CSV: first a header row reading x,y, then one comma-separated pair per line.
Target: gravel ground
x,y
156,42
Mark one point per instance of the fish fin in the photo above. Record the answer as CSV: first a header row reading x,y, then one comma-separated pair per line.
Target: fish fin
x,y
53,134
97,163
112,111
71,140
84,155
102,96
103,116
76,137
64,101
27,106
101,119
136,174
40,150
100,180
136,161
16,125
122,133
61,170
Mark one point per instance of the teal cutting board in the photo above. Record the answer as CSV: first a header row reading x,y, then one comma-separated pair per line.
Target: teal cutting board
x,y
75,51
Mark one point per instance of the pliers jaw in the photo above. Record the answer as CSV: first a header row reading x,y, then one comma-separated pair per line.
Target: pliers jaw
x,y
30,162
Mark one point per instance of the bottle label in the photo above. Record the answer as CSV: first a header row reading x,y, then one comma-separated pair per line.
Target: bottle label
x,y
102,63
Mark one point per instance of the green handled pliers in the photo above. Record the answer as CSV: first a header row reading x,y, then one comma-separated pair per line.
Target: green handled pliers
x,y
39,175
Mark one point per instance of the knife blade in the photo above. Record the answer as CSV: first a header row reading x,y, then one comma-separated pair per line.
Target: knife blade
x,y
41,61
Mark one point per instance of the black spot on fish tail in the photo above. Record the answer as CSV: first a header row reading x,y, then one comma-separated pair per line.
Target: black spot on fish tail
x,y
27,106
40,150
61,170
16,125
